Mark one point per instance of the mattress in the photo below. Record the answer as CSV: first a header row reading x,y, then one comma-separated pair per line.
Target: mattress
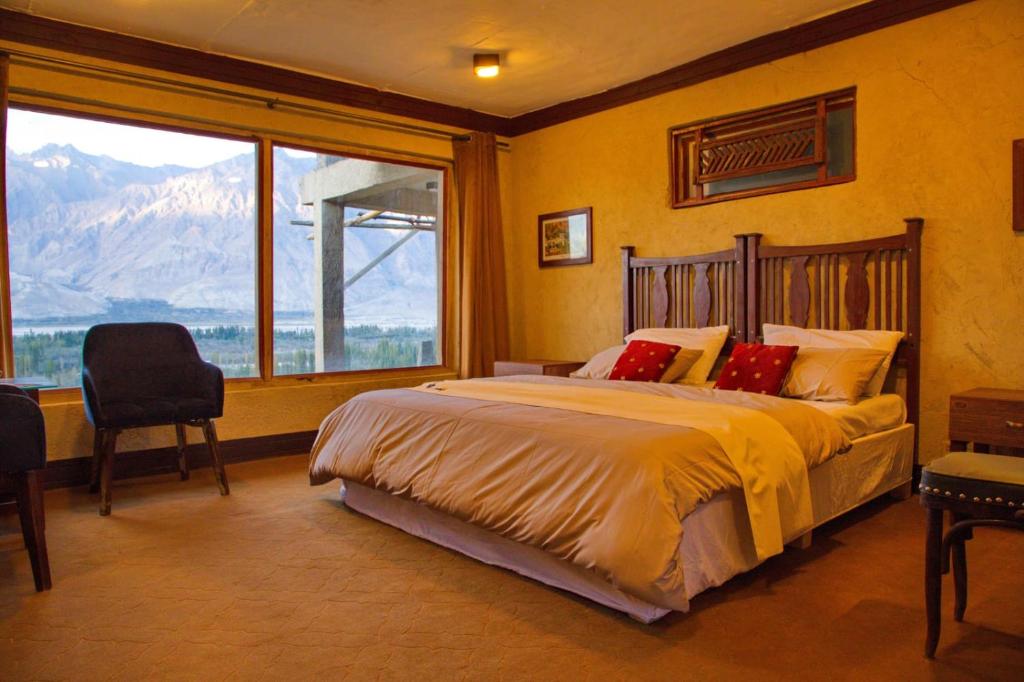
x,y
717,542
871,415
588,471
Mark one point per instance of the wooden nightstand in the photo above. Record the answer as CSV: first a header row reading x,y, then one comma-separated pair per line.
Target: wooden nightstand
x,y
986,417
552,368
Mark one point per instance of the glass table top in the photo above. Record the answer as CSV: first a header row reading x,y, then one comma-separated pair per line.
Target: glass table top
x,y
29,383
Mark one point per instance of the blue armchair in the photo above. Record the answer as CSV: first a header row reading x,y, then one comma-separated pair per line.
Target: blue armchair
x,y
148,374
23,461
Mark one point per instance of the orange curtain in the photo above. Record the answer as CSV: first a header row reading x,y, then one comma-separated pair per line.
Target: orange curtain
x,y
6,351
483,318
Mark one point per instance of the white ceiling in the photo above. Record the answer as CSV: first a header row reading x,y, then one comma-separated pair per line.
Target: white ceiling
x,y
551,51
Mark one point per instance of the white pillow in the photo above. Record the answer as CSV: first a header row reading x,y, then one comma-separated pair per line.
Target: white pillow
x,y
832,373
709,340
777,334
599,366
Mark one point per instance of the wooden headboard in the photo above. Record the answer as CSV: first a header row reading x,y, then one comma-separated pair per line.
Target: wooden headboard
x,y
706,290
869,284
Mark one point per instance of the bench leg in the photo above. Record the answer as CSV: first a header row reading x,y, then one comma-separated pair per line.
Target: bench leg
x,y
33,525
210,432
933,579
179,431
959,552
107,469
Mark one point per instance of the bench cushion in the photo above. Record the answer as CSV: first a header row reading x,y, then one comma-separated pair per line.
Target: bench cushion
x,y
994,480
983,467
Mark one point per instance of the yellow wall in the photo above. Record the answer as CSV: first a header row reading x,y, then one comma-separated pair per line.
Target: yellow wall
x,y
252,408
939,100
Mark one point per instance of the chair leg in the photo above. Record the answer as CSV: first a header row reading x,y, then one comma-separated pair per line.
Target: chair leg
x,y
959,551
210,432
97,459
179,431
933,579
33,525
107,470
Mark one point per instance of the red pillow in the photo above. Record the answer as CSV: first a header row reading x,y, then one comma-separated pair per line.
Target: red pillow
x,y
643,361
757,368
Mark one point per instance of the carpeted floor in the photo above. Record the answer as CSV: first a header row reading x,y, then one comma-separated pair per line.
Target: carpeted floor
x,y
279,581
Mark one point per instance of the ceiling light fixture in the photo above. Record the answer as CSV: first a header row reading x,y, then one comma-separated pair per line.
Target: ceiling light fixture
x,y
486,65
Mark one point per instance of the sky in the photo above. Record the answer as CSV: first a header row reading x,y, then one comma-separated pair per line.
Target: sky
x,y
27,131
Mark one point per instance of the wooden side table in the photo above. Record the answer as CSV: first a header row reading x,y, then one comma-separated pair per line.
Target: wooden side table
x,y
30,385
551,368
986,417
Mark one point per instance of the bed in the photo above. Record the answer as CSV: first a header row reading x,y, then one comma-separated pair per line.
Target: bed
x,y
640,497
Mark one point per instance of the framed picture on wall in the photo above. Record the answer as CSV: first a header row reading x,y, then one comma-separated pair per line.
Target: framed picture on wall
x,y
565,238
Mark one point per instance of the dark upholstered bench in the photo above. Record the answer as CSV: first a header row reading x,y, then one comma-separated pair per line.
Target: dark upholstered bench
x,y
23,461
977,490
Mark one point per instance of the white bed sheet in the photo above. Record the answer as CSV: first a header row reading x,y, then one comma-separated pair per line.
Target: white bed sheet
x,y
871,415
717,543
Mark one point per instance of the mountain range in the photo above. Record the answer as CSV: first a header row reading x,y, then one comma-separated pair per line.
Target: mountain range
x,y
90,235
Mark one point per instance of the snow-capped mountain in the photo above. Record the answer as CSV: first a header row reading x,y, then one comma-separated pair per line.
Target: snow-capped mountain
x,y
90,232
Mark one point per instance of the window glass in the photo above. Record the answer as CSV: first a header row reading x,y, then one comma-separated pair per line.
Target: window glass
x,y
770,179
357,263
839,136
123,223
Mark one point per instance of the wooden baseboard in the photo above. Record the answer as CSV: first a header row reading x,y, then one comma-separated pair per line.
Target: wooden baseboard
x,y
68,473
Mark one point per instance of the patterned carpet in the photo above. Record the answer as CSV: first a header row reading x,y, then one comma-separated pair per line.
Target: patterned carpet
x,y
280,581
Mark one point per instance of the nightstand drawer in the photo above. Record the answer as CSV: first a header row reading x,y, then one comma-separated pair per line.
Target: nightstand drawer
x,y
987,419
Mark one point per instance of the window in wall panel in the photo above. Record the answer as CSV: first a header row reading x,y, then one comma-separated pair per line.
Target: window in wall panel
x,y
357,263
113,222
797,145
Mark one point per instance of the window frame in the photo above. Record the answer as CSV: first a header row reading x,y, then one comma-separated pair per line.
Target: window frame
x,y
682,137
264,236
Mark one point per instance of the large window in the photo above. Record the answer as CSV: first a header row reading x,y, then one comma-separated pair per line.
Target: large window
x,y
114,223
358,248
119,222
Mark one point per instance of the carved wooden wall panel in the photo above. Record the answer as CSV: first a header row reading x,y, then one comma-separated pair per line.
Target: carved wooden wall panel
x,y
706,157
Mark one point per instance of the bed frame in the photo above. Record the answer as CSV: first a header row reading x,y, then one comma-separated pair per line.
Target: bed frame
x,y
871,284
868,284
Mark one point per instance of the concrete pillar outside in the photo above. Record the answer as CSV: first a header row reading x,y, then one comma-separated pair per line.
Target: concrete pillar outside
x,y
329,314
